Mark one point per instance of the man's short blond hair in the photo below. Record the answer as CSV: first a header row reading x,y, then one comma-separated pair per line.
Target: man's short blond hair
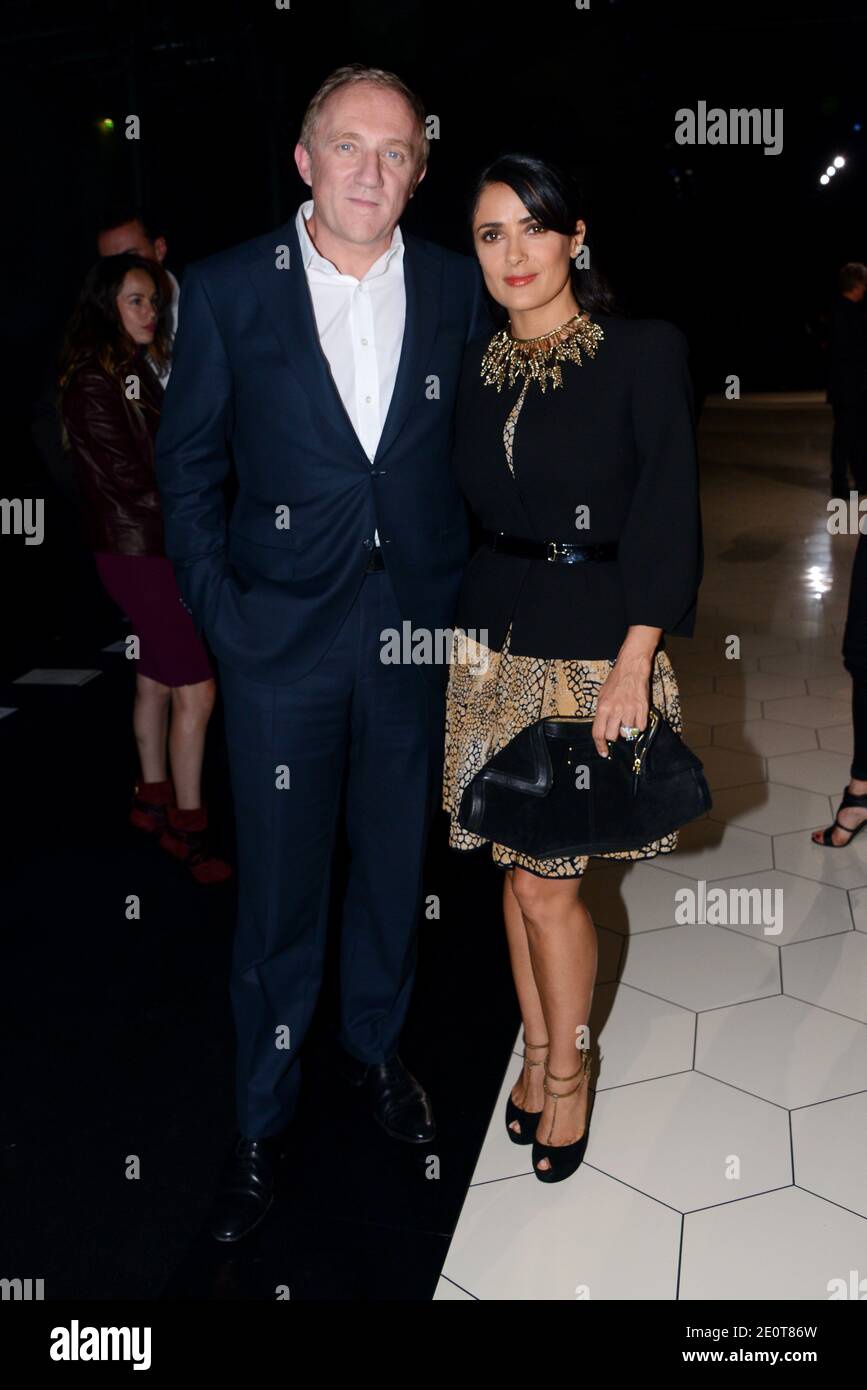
x,y
379,77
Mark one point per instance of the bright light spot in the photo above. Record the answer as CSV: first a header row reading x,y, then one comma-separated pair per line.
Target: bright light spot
x,y
830,171
839,162
818,580
824,179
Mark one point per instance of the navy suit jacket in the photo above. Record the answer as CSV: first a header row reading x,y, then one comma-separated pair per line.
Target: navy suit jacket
x,y
251,390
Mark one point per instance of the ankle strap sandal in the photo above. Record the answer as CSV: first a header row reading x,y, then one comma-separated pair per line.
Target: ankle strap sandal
x,y
514,1113
849,799
563,1159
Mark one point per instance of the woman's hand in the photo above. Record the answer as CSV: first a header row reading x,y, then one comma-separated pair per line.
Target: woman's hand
x,y
624,698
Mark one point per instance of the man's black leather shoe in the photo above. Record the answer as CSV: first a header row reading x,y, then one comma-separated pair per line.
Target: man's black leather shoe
x,y
395,1099
247,1186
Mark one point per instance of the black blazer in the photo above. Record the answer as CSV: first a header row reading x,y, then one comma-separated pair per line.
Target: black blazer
x,y
251,391
618,437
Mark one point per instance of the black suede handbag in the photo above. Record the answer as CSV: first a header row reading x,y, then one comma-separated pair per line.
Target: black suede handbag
x,y
548,793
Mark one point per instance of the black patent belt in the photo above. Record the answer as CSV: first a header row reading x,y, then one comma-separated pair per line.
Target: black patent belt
x,y
557,552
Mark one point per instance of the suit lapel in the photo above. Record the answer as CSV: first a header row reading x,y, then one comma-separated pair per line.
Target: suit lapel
x,y
422,283
285,297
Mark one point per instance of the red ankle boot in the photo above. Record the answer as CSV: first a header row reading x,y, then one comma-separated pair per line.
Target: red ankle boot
x,y
150,804
185,837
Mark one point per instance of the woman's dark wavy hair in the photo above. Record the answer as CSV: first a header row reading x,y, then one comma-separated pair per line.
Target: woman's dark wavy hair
x,y
95,332
554,198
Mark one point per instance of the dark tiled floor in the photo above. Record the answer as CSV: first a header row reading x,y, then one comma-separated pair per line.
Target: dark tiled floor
x,y
118,1039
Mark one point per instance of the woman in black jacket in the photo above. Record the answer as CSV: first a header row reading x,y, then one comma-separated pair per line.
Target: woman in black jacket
x,y
575,448
110,402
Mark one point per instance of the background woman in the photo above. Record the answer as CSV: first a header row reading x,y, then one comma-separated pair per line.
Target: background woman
x,y
573,426
851,814
110,401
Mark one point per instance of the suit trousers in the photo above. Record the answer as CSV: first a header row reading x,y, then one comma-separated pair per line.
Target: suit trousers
x,y
378,729
849,446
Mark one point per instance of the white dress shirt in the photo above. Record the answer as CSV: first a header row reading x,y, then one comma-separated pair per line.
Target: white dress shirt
x,y
360,325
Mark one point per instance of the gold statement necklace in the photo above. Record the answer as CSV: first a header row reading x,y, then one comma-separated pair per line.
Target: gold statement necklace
x,y
538,359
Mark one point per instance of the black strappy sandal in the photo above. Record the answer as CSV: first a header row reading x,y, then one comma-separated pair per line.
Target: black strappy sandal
x,y
563,1158
527,1119
849,799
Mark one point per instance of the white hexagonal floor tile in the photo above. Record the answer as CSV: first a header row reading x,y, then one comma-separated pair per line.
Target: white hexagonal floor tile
x,y
447,1292
713,663
828,612
800,664
760,685
701,641
722,709
738,614
672,1138
799,628
631,898
764,737
831,687
781,1245
640,1037
816,770
803,908
823,645
695,735
783,1050
707,849
766,643
829,1143
813,711
771,809
701,967
844,867
838,738
499,1157
858,904
691,683
725,768
831,972
610,945
525,1240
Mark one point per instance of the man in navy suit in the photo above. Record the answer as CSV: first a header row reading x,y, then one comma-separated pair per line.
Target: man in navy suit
x,y
321,363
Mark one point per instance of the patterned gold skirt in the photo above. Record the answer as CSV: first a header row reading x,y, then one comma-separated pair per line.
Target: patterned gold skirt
x,y
493,695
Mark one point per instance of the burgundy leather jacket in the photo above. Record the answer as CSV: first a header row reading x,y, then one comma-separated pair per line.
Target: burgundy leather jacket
x,y
112,446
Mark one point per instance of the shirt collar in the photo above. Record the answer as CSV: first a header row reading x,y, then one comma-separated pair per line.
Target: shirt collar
x,y
310,256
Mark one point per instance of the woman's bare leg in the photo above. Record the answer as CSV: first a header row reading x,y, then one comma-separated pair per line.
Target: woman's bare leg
x,y
191,710
527,1091
563,953
150,722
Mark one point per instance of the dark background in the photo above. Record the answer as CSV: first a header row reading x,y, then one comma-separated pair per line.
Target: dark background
x,y
739,248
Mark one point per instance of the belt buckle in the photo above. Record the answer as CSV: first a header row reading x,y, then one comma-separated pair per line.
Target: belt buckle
x,y
553,551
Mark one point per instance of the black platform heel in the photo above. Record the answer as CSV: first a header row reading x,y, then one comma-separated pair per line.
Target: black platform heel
x,y
514,1112
849,799
563,1158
